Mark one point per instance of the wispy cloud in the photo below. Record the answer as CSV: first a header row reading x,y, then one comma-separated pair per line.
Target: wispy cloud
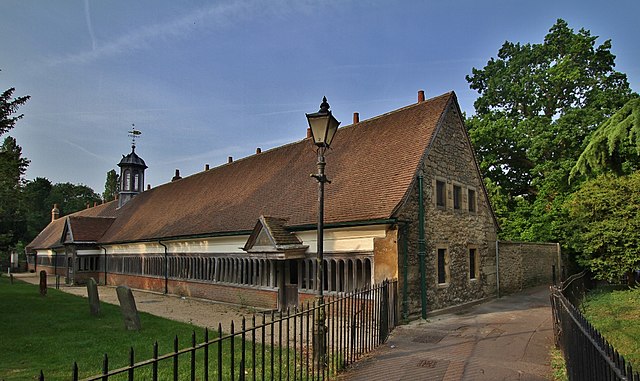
x,y
83,149
218,15
87,17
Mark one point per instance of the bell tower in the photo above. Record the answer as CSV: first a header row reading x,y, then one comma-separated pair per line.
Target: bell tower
x,y
131,171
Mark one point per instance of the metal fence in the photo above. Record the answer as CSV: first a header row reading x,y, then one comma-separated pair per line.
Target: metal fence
x,y
587,354
275,346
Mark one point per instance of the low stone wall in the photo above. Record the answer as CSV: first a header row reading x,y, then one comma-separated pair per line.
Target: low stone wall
x,y
523,265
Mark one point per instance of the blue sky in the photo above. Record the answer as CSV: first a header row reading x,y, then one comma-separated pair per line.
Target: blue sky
x,y
204,80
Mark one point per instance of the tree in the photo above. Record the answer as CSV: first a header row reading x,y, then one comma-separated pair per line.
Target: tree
x,y
110,186
605,225
12,168
8,107
72,198
615,145
37,208
537,105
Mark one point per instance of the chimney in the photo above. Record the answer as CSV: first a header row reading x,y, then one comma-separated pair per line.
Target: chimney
x,y
309,132
148,186
88,205
258,150
420,96
95,203
356,117
206,167
177,176
230,159
55,212
116,196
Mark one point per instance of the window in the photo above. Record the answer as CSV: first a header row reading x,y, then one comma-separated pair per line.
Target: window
x,y
127,181
441,194
473,263
443,266
457,197
136,182
472,200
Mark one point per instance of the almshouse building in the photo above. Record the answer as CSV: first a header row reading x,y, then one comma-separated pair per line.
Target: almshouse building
x,y
406,201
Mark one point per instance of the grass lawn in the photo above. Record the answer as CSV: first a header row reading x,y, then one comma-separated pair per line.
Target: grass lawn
x,y
616,314
50,333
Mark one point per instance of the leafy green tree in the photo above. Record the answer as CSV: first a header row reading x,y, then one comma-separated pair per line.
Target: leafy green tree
x,y
615,145
37,208
110,186
605,225
537,105
12,168
71,197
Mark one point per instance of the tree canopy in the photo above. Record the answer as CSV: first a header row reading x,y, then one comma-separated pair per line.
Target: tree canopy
x,y
537,105
605,225
110,186
615,145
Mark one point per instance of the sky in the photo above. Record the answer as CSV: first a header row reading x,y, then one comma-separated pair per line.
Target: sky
x,y
204,80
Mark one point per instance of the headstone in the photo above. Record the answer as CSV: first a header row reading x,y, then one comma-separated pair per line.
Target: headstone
x,y
128,308
94,298
43,283
11,278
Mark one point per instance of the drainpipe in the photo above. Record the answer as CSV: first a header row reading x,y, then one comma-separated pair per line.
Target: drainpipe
x,y
405,267
498,267
166,268
421,248
105,264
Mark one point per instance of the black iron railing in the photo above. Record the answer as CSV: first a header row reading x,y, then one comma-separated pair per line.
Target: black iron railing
x,y
588,355
275,346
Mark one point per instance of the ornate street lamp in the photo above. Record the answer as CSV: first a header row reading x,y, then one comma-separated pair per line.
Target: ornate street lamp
x,y
323,128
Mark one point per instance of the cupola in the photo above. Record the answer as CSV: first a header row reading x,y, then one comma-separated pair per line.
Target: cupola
x,y
132,169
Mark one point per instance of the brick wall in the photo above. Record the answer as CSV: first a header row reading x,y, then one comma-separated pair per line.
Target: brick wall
x,y
245,296
523,265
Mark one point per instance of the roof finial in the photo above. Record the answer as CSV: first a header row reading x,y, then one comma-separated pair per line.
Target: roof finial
x,y
134,134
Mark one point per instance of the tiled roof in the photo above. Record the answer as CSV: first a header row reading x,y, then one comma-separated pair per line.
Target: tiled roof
x,y
88,229
371,165
51,236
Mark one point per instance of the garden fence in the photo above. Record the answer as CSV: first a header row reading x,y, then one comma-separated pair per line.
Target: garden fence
x,y
587,354
277,346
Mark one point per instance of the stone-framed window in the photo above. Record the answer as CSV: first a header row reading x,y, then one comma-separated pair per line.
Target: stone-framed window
x,y
471,200
441,193
442,266
474,264
457,196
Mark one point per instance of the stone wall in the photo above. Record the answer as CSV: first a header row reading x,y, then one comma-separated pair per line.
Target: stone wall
x,y
449,159
523,265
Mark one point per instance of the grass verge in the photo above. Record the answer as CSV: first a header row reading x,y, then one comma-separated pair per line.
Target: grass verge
x,y
616,314
50,333
558,365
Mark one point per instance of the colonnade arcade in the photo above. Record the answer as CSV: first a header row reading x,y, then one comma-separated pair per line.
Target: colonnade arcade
x,y
344,273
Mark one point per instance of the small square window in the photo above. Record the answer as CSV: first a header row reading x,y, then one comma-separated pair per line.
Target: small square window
x,y
472,200
457,197
441,194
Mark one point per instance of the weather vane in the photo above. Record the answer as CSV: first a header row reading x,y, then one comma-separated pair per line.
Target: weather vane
x,y
134,134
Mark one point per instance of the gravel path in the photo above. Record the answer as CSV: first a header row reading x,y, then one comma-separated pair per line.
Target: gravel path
x,y
200,312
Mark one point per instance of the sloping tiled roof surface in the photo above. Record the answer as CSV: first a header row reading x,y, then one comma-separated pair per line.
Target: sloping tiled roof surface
x,y
89,229
371,165
279,233
51,236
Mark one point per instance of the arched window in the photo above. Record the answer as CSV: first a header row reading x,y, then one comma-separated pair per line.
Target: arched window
x,y
136,182
127,180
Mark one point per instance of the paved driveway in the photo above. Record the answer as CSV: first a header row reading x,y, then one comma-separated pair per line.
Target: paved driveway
x,y
504,339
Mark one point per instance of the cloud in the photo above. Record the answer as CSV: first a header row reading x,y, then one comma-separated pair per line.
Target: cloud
x,y
87,16
218,15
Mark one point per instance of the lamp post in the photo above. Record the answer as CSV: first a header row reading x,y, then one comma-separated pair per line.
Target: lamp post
x,y
323,128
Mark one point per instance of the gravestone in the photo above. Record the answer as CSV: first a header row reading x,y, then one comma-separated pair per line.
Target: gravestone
x,y
11,277
128,308
43,283
94,298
